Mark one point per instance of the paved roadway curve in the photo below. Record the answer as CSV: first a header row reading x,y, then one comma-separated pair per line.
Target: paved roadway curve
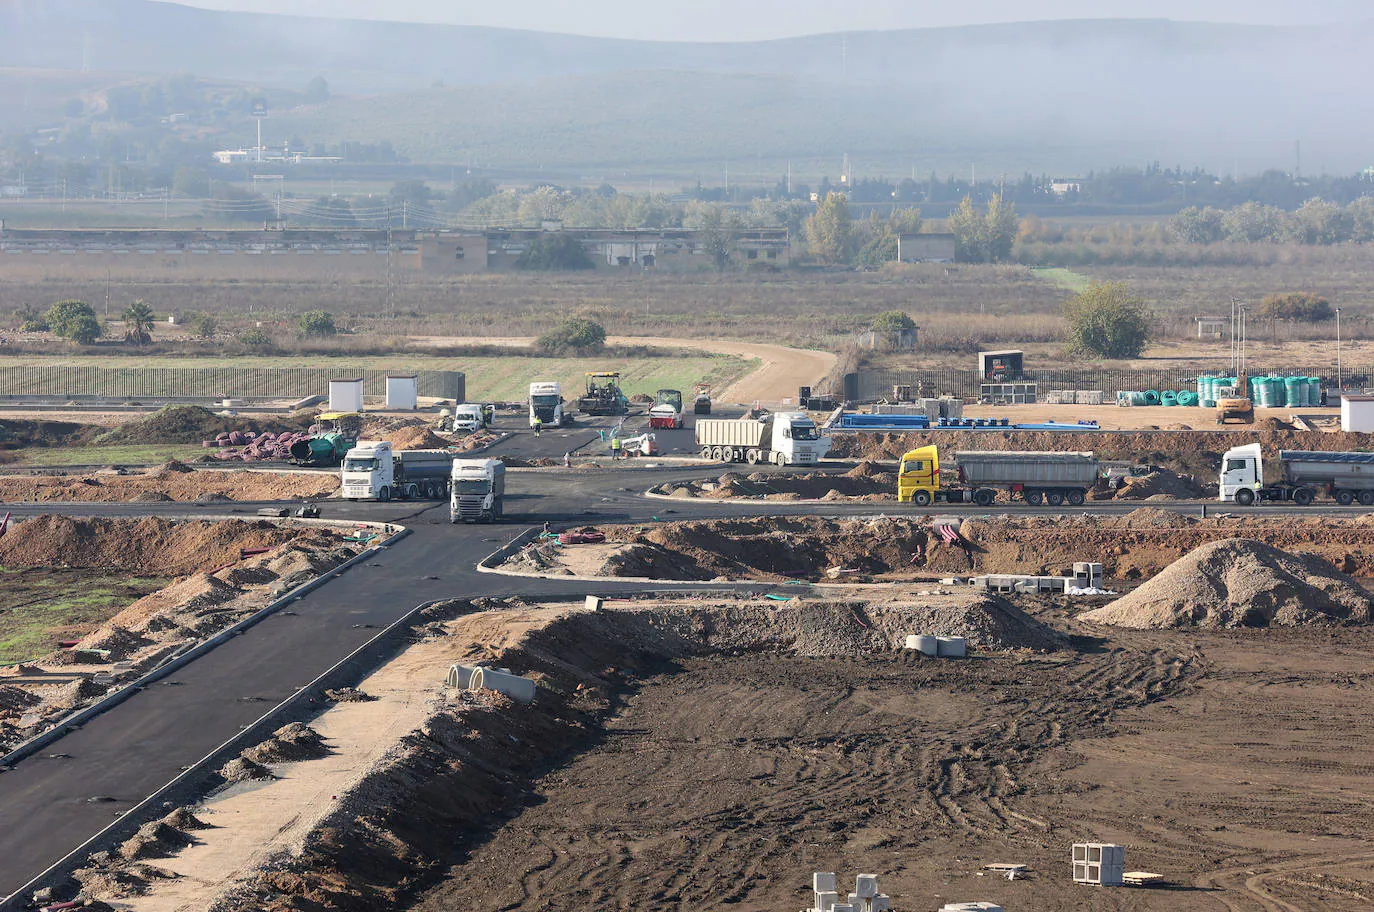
x,y
118,758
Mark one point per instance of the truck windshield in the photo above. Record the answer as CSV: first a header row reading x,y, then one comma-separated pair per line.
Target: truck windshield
x,y
360,465
471,486
542,402
805,432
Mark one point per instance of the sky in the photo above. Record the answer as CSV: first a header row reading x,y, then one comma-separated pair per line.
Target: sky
x,y
748,20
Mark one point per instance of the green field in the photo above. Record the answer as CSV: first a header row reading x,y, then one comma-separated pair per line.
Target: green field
x,y
502,377
128,454
1066,279
45,606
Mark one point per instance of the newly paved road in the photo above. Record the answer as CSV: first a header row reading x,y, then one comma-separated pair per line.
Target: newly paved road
x,y
51,803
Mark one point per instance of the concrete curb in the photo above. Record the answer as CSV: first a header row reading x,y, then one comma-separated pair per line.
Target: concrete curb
x,y
184,658
189,784
489,563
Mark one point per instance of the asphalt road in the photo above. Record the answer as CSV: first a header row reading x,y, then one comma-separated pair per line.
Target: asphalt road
x,y
51,803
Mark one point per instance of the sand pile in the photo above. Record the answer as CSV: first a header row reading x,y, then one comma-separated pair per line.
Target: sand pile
x,y
1164,484
1240,583
416,438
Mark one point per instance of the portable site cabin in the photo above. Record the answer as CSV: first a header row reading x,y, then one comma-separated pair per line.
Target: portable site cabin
x,y
346,395
403,391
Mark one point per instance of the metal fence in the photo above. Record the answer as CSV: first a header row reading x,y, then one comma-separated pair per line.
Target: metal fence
x,y
868,385
207,382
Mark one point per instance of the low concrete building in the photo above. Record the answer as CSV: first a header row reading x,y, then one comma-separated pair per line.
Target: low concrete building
x,y
925,248
1357,413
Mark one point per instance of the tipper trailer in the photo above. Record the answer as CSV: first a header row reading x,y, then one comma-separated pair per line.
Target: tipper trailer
x,y
1303,476
1053,478
373,471
784,438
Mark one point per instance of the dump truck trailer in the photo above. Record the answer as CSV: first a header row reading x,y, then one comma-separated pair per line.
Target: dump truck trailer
x,y
784,438
1053,478
373,471
1304,477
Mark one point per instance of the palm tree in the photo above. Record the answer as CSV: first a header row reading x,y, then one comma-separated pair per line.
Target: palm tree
x,y
138,323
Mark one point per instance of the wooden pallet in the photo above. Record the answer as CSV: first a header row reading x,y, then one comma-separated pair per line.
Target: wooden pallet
x,y
1141,879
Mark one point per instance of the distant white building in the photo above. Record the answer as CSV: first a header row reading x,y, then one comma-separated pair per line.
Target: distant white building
x,y
1357,413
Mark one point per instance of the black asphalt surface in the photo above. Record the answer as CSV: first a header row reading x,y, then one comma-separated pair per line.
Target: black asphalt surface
x,y
53,802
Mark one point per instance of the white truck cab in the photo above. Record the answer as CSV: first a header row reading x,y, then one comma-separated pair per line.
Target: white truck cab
x,y
478,488
1242,470
546,403
368,471
797,440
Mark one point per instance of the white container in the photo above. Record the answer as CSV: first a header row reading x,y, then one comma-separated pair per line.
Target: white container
x,y
460,676
823,882
346,395
952,647
925,645
594,603
403,392
517,688
866,886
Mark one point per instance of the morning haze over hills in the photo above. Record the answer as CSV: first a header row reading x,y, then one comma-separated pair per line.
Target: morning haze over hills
x,y
1054,96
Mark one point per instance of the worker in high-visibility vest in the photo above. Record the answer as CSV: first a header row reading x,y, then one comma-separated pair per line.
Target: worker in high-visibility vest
x,y
538,425
615,448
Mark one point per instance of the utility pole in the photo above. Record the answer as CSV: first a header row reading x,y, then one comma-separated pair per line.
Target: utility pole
x,y
1338,351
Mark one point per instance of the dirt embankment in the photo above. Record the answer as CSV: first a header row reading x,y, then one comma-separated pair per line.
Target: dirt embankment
x,y
16,434
1186,452
194,424
170,482
1132,547
1241,583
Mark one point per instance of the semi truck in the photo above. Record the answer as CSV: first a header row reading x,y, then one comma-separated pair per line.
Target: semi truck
x,y
373,471
1053,478
784,438
666,413
478,488
546,404
1303,475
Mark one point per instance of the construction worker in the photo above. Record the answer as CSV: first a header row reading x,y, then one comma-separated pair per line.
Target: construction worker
x,y
538,425
615,448
567,460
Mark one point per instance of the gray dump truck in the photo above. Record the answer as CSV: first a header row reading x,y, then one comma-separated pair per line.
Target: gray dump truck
x,y
1303,477
1053,478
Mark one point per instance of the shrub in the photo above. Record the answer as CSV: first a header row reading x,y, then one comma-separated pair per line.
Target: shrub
x,y
317,323
1107,320
554,252
255,338
30,320
74,320
202,325
1297,307
573,334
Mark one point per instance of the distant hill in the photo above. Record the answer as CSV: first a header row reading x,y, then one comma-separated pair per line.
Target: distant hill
x,y
1075,93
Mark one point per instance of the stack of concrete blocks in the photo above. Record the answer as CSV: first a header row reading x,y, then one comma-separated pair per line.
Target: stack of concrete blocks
x,y
865,897
944,647
1087,574
1089,397
971,907
1101,863
1060,397
931,409
951,407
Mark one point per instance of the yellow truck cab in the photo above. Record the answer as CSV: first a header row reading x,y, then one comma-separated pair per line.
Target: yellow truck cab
x,y
918,477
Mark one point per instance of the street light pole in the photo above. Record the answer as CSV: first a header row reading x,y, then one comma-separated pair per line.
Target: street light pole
x,y
1338,350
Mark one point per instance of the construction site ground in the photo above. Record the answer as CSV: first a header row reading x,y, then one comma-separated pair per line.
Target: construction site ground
x,y
1112,417
125,594
170,482
711,754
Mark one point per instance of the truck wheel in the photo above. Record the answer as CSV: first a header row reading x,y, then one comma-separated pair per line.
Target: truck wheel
x,y
1075,498
1367,498
1035,498
384,494
983,497
751,456
1345,498
1302,496
705,452
1054,498
1245,497
921,498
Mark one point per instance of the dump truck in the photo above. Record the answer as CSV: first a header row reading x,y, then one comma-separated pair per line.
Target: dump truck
x,y
603,396
373,471
1303,476
784,438
1039,478
546,404
477,490
666,413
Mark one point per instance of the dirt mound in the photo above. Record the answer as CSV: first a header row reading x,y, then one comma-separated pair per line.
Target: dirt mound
x,y
15,699
290,743
865,469
349,695
241,769
148,546
189,424
157,839
1161,483
1241,583
19,434
417,438
171,467
185,819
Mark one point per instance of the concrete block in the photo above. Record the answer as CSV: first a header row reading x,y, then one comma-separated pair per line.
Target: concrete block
x,y
866,885
882,903
952,647
823,882
826,899
843,907
594,603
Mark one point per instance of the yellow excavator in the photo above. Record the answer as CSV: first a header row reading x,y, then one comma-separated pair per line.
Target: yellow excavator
x,y
1237,405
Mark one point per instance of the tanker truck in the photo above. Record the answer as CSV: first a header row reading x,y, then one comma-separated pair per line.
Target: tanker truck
x,y
478,490
372,471
1303,475
1053,478
784,438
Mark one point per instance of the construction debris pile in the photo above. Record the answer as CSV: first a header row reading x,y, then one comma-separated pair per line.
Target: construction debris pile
x,y
1241,583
